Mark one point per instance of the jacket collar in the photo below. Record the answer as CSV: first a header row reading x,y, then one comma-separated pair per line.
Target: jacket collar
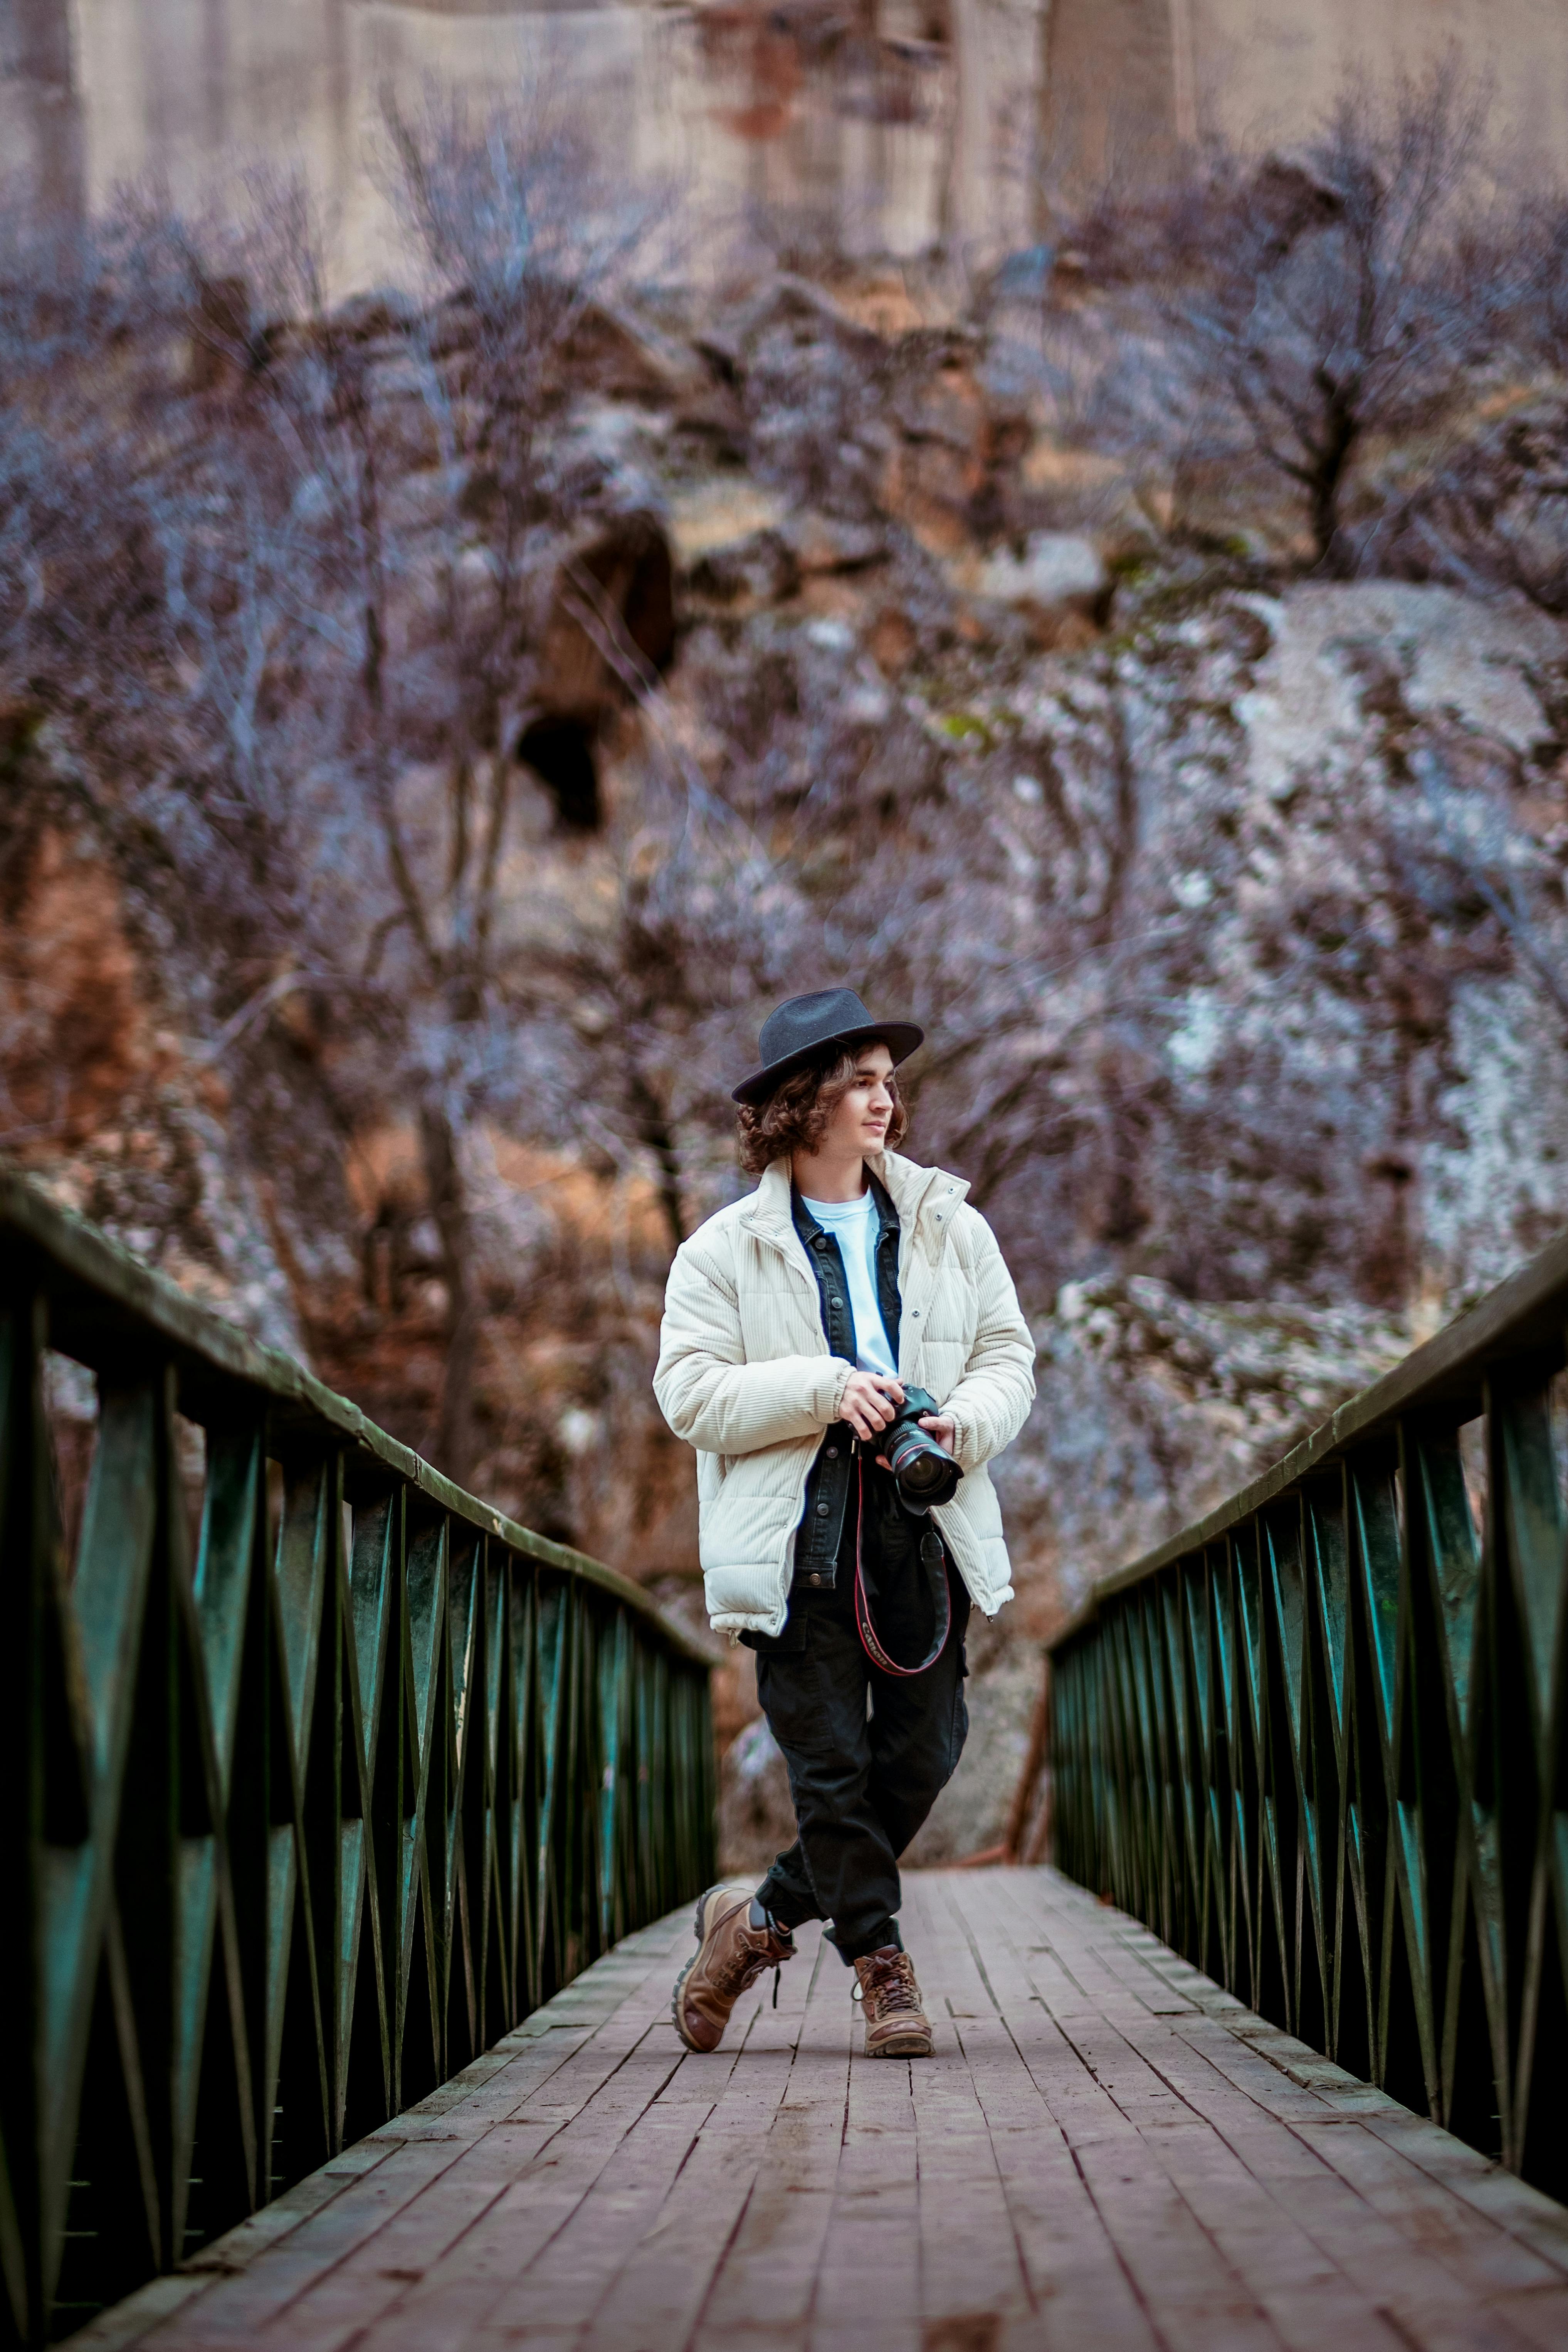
x,y
910,1188
768,1210
913,1189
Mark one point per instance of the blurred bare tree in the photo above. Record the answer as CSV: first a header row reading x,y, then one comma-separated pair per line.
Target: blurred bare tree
x,y
283,572
1494,513
1290,308
303,592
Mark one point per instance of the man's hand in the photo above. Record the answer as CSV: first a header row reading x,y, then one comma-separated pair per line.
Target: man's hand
x,y
935,1424
866,1405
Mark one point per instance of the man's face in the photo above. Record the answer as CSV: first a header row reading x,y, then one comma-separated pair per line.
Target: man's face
x,y
859,1123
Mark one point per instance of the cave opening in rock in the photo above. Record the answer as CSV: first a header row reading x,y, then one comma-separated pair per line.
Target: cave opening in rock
x,y
649,607
560,751
633,568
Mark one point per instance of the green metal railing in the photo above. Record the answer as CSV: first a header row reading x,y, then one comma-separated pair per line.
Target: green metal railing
x,y
1316,1742
317,1776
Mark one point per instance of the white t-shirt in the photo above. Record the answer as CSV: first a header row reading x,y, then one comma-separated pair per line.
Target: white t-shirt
x,y
855,1227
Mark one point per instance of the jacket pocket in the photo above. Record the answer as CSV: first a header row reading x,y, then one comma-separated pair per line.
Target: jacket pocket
x,y
788,1643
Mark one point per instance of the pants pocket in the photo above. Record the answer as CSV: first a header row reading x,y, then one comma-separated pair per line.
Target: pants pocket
x,y
790,1694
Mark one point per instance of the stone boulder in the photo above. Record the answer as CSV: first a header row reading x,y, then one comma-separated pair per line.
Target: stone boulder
x,y
1057,580
622,357
823,544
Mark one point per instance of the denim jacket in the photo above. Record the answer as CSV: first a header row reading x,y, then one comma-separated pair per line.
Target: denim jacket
x,y
827,1486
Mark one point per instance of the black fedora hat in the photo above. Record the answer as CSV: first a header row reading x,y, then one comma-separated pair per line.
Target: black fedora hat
x,y
804,1025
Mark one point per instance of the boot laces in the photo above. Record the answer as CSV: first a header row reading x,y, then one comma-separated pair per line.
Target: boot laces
x,y
746,1965
893,1985
740,1972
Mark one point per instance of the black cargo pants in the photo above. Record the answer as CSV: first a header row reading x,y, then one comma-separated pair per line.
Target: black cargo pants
x,y
863,1780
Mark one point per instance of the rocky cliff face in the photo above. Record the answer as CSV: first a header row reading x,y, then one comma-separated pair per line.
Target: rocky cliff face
x,y
107,1097
1234,908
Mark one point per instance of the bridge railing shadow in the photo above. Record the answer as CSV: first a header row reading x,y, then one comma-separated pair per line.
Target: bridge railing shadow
x,y
1316,1742
319,1774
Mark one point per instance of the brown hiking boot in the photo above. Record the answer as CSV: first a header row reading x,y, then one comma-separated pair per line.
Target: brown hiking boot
x,y
736,1940
896,2024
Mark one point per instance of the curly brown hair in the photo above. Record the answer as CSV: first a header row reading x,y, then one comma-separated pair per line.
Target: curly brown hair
x,y
795,1117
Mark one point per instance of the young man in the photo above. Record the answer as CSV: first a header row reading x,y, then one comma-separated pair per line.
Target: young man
x,y
795,1321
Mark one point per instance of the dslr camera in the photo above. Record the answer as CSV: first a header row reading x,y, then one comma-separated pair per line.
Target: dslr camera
x,y
925,1473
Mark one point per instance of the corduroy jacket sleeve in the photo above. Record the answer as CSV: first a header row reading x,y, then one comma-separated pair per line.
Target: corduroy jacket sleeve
x,y
707,1393
992,1400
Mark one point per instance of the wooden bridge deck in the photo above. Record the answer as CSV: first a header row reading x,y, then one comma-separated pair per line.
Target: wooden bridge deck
x,y
1106,2151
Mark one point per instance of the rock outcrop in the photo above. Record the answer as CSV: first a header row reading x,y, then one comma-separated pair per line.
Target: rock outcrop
x,y
1234,905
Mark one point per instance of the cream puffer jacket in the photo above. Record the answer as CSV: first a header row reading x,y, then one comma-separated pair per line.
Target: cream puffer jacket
x,y
745,1376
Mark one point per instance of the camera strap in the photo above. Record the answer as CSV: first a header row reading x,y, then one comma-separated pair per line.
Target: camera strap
x,y
935,1566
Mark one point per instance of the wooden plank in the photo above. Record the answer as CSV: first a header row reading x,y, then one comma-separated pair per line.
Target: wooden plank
x,y
1124,1961
868,2284
1386,2216
659,2290
1540,2314
268,2288
254,2273
1479,2258
1075,2165
611,2167
1501,2197
1260,2224
548,2298
332,2275
545,2161
562,2288
1422,2292
1293,2275
1273,2196
972,2274
1077,2279
118,2328
765,2285
1195,2298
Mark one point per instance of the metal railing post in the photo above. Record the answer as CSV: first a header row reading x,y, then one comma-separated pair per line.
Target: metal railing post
x,y
316,1780
1316,1742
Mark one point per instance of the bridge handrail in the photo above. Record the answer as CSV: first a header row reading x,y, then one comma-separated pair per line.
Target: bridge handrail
x,y
1317,1740
315,1782
100,1284
1528,1313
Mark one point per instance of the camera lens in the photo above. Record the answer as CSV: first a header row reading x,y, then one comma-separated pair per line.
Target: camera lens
x,y
920,1471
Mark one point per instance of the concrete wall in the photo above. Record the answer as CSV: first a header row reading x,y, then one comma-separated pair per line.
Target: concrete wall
x,y
1127,80
1110,92
40,119
1267,68
938,122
